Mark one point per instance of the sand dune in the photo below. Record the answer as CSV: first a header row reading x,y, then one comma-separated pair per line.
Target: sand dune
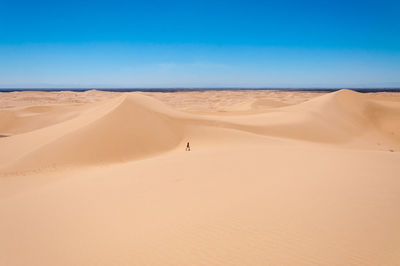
x,y
114,130
135,126
268,181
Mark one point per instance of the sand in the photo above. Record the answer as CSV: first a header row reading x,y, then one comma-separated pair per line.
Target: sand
x,y
272,178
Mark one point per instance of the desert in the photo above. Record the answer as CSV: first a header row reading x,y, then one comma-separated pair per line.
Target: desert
x,y
272,178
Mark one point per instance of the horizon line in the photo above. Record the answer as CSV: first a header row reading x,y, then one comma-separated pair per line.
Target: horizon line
x,y
176,89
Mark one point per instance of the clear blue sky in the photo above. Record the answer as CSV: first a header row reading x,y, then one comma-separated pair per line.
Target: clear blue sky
x,y
199,43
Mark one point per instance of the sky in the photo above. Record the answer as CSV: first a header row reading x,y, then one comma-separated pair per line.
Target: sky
x,y
173,44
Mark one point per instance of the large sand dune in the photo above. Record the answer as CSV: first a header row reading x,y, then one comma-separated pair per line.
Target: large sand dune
x,y
268,181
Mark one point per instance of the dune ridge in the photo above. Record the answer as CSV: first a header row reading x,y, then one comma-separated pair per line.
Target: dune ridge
x,y
134,126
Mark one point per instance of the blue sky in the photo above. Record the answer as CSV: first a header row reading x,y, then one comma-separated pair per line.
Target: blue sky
x,y
199,43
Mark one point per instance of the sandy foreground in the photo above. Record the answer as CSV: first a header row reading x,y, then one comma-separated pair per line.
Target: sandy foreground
x,y
273,178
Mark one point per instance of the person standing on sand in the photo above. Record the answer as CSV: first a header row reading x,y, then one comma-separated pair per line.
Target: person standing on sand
x,y
187,146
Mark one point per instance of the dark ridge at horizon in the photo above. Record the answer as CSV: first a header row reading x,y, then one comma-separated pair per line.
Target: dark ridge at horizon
x,y
389,89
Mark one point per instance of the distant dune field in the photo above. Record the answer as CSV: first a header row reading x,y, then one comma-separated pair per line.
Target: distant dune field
x,y
272,178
